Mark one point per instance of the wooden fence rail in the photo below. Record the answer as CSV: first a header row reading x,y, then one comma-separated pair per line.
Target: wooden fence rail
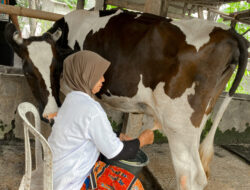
x,y
20,11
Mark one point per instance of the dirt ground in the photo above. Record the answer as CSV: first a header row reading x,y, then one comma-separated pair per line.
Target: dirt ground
x,y
228,172
11,165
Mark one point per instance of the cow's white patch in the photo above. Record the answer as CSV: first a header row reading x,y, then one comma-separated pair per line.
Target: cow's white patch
x,y
197,30
41,55
79,28
138,15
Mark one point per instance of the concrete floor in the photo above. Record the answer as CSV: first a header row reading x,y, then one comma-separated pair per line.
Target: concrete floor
x,y
228,172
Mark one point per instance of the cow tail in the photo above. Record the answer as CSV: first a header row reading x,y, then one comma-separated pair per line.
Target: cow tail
x,y
243,45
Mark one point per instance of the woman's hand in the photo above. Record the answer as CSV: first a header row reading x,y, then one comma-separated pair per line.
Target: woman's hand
x,y
146,137
124,137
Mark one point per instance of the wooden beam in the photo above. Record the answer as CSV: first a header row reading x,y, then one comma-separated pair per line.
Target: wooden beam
x,y
140,7
240,14
99,5
227,16
20,11
153,6
164,8
200,12
176,6
178,16
126,4
184,9
80,4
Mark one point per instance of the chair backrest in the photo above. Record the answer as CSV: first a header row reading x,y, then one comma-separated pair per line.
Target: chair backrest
x,y
46,160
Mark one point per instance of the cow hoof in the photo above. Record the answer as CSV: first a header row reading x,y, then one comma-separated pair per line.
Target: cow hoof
x,y
206,158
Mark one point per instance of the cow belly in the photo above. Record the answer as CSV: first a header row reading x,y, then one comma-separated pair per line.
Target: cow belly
x,y
125,104
142,102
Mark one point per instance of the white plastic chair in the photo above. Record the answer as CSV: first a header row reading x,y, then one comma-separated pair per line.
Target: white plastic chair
x,y
41,176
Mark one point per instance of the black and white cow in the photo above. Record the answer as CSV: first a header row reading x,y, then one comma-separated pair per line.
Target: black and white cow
x,y
171,70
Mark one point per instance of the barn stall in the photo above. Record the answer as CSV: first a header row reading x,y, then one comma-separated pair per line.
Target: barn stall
x,y
14,90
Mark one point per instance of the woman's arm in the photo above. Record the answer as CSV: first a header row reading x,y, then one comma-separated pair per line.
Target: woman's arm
x,y
131,147
129,151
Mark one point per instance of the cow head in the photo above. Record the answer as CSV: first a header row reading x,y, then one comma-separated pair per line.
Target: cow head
x,y
39,57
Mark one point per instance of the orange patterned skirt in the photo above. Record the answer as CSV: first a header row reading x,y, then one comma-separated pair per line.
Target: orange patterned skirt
x,y
110,177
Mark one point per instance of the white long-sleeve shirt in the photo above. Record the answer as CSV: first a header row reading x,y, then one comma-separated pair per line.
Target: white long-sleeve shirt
x,y
80,132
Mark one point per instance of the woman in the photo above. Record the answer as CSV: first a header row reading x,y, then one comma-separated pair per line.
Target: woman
x,y
82,131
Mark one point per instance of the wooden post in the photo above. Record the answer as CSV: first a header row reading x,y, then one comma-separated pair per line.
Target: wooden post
x,y
164,8
152,6
184,10
80,4
20,11
200,12
99,4
191,10
32,22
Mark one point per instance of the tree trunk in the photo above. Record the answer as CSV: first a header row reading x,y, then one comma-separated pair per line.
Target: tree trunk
x,y
32,22
164,8
80,4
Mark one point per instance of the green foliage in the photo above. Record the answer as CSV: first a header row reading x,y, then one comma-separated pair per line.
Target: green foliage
x,y
109,7
115,126
236,7
240,88
230,136
23,3
159,138
206,129
2,125
45,25
71,3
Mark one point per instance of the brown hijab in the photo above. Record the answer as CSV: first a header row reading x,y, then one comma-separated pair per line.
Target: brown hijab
x,y
82,70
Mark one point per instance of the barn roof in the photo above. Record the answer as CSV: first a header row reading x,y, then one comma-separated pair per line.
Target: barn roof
x,y
183,8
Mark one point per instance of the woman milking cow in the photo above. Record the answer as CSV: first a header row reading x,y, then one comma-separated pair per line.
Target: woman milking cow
x,y
82,131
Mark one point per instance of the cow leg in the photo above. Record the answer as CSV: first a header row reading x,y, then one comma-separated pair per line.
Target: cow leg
x,y
184,146
206,148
